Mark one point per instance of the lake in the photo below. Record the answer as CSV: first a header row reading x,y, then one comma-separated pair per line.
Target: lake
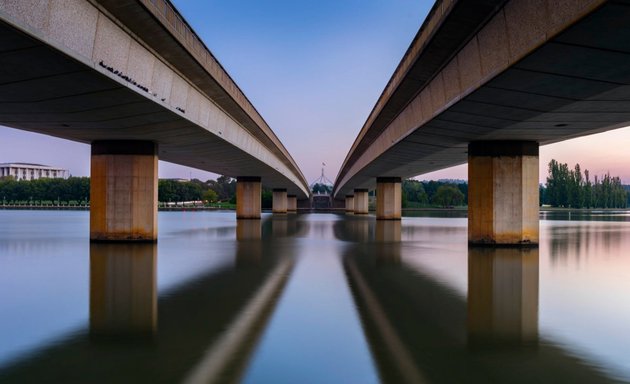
x,y
313,298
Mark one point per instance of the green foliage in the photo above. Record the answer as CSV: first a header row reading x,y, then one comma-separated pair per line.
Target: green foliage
x,y
422,194
319,188
570,188
73,188
267,199
448,196
210,196
174,190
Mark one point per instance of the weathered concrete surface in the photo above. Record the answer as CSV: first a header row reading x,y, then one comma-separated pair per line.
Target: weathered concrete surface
x,y
502,296
495,70
132,70
248,198
280,201
360,201
349,203
503,194
123,290
291,203
123,191
388,198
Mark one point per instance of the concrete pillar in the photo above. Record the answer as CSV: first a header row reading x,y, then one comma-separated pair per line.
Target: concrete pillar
x,y
279,204
292,203
123,290
503,192
123,191
349,203
502,296
248,197
388,198
360,201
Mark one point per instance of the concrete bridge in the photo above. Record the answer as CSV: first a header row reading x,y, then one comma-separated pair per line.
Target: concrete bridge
x,y
487,83
132,79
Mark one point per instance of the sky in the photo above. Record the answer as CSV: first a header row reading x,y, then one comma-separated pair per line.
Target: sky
x,y
313,70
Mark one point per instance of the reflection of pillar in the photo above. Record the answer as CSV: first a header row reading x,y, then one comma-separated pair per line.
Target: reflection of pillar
x,y
502,295
291,203
349,203
358,229
388,231
123,191
279,204
360,201
388,198
248,197
248,230
279,226
249,246
387,239
123,289
503,192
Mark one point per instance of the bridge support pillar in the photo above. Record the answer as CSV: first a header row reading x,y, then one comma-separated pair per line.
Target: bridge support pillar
x,y
292,203
503,192
388,198
123,191
248,198
279,201
360,201
349,203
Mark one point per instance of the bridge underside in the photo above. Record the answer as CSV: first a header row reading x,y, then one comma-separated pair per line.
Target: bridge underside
x,y
45,91
578,83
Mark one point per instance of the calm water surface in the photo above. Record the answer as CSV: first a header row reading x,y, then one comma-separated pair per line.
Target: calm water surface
x,y
317,298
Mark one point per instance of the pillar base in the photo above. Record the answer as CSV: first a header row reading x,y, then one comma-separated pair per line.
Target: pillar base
x,y
503,193
388,198
360,201
123,191
248,197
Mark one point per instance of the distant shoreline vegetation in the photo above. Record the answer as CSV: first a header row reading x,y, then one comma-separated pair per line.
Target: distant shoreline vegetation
x,y
564,188
570,188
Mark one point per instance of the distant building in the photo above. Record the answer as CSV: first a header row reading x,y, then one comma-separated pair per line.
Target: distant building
x,y
26,171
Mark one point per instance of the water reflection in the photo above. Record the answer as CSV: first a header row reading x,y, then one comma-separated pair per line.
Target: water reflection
x,y
123,290
502,296
208,326
420,330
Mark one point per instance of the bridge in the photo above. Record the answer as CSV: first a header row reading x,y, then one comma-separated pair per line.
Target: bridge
x,y
487,83
132,79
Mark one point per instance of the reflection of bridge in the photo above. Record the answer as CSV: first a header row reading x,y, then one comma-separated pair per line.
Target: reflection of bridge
x,y
487,83
420,331
203,331
132,79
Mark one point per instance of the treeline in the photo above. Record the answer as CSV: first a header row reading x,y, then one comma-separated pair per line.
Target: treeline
x,y
416,194
570,188
75,189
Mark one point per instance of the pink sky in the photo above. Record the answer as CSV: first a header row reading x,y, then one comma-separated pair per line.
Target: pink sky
x,y
314,72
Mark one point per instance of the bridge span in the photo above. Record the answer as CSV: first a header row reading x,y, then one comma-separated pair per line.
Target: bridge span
x,y
487,82
132,79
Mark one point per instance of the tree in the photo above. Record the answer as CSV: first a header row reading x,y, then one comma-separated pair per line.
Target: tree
x,y
210,196
448,196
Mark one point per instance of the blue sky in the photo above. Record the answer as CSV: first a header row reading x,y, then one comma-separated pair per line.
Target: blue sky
x,y
314,70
